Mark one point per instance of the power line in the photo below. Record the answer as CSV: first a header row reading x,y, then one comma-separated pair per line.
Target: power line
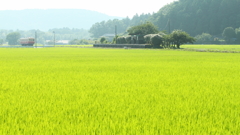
x,y
167,26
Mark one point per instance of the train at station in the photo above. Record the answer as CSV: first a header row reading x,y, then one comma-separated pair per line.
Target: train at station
x,y
27,41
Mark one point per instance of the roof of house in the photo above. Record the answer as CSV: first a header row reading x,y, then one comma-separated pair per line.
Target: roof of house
x,y
108,35
62,41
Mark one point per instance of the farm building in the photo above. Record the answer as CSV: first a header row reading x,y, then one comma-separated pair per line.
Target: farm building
x,y
57,42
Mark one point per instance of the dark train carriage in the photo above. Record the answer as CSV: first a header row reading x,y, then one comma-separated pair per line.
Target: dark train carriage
x,y
27,41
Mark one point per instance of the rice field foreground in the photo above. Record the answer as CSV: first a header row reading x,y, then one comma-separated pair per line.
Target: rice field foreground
x,y
118,91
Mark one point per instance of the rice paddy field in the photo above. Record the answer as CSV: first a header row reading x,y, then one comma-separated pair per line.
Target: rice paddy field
x,y
118,91
213,48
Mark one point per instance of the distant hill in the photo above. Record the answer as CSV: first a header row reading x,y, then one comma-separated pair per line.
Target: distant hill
x,y
50,18
198,16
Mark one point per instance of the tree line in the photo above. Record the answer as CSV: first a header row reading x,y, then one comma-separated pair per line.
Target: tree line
x,y
12,36
229,36
108,27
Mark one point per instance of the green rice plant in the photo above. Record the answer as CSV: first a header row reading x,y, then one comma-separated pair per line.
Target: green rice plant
x,y
118,91
213,48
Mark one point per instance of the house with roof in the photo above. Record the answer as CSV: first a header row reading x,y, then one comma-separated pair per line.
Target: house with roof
x,y
109,37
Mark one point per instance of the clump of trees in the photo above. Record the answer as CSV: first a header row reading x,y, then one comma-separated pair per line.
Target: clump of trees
x,y
180,37
103,40
1,41
148,33
143,29
13,38
128,39
172,40
121,40
228,34
204,38
154,39
237,31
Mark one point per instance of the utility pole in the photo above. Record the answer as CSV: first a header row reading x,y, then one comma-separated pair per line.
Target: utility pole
x,y
169,27
116,33
54,38
36,38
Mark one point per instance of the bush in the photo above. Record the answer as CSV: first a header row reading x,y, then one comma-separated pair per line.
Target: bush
x,y
128,39
156,40
147,38
229,34
204,38
102,40
121,40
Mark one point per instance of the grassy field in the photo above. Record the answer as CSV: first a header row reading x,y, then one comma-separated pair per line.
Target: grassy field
x,y
118,91
213,48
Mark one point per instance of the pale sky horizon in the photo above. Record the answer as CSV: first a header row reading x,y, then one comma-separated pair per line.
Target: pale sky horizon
x,y
121,8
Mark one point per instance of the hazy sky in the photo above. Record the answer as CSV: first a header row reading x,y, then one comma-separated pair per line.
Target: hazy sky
x,y
120,8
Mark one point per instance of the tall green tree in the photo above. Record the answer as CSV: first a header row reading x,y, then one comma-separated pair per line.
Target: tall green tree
x,y
1,41
204,38
180,37
13,38
143,29
237,31
228,34
102,40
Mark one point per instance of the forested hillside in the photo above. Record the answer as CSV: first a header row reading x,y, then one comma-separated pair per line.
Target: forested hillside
x,y
108,27
198,16
192,16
